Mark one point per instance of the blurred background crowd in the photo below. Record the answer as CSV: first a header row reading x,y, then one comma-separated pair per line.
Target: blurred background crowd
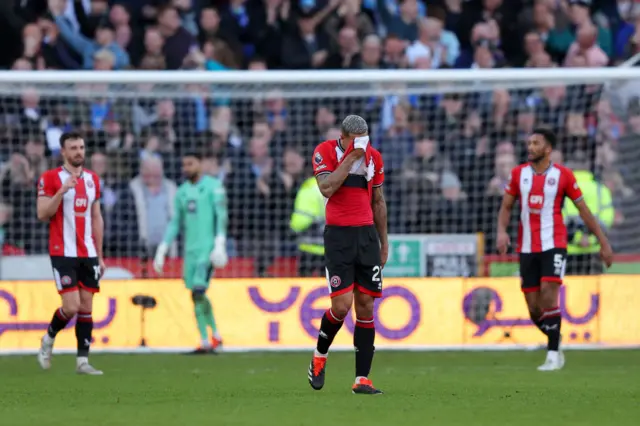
x,y
447,155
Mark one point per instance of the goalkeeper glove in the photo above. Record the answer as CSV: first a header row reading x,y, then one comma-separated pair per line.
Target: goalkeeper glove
x,y
161,253
218,256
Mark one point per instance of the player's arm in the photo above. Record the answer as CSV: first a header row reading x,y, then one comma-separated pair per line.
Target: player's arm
x,y
170,234
97,226
330,182
218,256
49,198
379,208
511,193
220,209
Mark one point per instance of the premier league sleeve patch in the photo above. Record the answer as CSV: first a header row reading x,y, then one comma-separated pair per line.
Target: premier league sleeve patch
x,y
317,158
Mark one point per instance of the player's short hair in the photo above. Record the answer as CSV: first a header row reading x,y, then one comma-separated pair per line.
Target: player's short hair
x,y
69,136
193,153
354,125
547,134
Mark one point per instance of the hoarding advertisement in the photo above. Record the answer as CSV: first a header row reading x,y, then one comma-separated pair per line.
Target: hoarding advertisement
x,y
252,314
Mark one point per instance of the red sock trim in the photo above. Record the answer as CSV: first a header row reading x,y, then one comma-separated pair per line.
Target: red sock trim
x,y
365,322
333,318
61,315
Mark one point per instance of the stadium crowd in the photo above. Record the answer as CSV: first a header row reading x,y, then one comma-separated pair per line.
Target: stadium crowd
x,y
447,157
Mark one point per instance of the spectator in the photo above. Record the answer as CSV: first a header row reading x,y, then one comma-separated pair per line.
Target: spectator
x,y
504,163
420,182
405,24
349,14
305,44
483,35
627,41
87,48
153,198
453,216
394,49
177,40
348,54
560,40
371,54
396,142
585,45
34,152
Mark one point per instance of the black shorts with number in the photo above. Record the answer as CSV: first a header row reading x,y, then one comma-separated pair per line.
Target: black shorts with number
x,y
546,266
72,272
352,258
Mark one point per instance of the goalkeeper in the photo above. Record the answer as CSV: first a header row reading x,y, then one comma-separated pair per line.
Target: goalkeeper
x,y
201,213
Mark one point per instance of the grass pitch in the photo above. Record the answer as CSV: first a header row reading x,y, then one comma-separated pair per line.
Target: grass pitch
x,y
438,388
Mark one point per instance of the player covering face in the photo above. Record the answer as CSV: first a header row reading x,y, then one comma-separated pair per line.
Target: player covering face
x,y
68,198
201,215
541,187
350,176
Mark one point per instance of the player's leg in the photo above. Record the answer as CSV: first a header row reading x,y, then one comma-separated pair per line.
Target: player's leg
x,y
339,268
368,287
89,283
553,267
198,293
65,278
201,281
530,282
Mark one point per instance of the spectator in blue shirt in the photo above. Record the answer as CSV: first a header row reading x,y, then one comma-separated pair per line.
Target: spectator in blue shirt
x,y
87,48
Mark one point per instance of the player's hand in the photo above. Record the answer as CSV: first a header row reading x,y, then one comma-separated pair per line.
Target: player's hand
x,y
503,242
103,266
69,184
158,261
606,254
218,257
384,254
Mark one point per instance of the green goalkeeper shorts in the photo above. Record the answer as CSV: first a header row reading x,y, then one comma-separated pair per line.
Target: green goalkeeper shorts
x,y
197,270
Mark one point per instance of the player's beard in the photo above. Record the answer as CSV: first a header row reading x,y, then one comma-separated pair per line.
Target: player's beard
x,y
536,158
77,162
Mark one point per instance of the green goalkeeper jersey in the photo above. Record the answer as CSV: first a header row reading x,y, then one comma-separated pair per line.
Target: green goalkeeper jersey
x,y
200,213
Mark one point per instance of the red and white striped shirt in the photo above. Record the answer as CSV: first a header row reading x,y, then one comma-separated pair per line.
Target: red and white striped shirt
x,y
541,199
70,229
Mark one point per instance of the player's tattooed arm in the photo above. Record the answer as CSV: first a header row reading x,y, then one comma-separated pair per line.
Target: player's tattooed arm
x,y
329,183
379,207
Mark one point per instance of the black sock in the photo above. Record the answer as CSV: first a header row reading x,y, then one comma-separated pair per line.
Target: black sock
x,y
536,319
551,323
58,322
329,327
84,327
363,339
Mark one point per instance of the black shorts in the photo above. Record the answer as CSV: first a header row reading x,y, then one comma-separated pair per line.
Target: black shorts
x,y
546,266
70,273
352,258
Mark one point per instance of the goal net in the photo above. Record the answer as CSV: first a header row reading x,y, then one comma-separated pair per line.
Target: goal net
x,y
449,140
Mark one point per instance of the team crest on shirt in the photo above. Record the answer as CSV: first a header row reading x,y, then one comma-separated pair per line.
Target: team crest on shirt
x,y
335,281
551,181
66,280
318,158
90,184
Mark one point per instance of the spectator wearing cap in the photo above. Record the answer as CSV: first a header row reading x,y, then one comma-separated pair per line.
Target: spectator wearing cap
x,y
86,47
405,23
178,42
560,40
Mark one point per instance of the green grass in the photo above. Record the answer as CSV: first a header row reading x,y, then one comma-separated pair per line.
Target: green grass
x,y
437,388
